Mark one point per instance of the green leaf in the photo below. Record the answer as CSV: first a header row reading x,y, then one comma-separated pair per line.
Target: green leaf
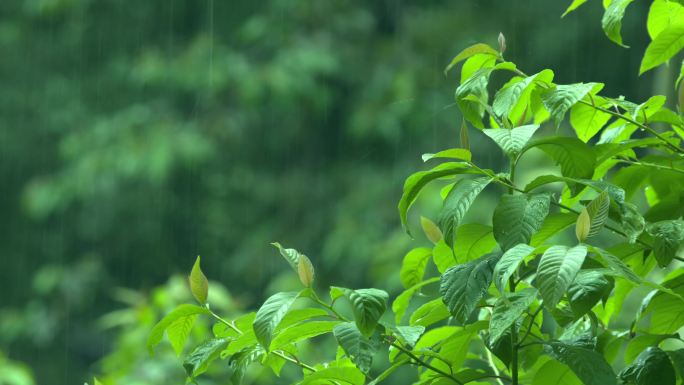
x,y
290,255
631,220
345,374
559,99
463,286
305,271
242,359
452,153
368,305
473,240
417,181
639,343
588,288
176,324
432,232
508,310
302,331
510,101
556,271
443,256
199,285
666,45
573,6
661,14
666,310
677,358
475,49
553,224
270,314
576,158
457,203
409,335
598,213
357,346
517,217
587,121
588,365
612,20
617,265
402,301
203,355
413,266
668,236
652,367
556,373
512,141
509,263
430,313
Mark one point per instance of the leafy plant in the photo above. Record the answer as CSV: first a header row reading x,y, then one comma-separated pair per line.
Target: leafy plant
x,y
518,301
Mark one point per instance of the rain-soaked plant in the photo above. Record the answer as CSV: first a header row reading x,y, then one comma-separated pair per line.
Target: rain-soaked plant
x,y
517,301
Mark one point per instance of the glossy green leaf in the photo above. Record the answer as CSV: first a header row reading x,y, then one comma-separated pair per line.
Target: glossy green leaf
x,y
409,335
463,286
509,263
639,343
573,6
612,20
556,271
617,265
177,325
430,313
561,98
666,45
368,306
598,213
413,266
417,181
469,52
457,203
401,303
576,158
202,356
666,310
518,217
652,367
508,310
199,285
588,288
342,374
510,100
589,366
668,236
302,331
661,14
511,141
473,240
556,373
270,314
587,121
357,346
553,224
290,255
242,359
452,153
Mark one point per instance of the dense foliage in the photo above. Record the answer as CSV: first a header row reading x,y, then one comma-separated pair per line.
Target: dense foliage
x,y
514,301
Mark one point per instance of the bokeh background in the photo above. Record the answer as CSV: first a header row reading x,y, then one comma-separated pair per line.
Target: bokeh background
x,y
136,135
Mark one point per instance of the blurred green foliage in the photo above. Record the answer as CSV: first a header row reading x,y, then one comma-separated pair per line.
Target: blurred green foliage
x,y
137,135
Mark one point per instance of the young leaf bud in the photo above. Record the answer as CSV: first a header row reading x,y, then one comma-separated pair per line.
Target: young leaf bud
x,y
199,285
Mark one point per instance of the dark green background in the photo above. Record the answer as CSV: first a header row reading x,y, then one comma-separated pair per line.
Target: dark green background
x,y
135,135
